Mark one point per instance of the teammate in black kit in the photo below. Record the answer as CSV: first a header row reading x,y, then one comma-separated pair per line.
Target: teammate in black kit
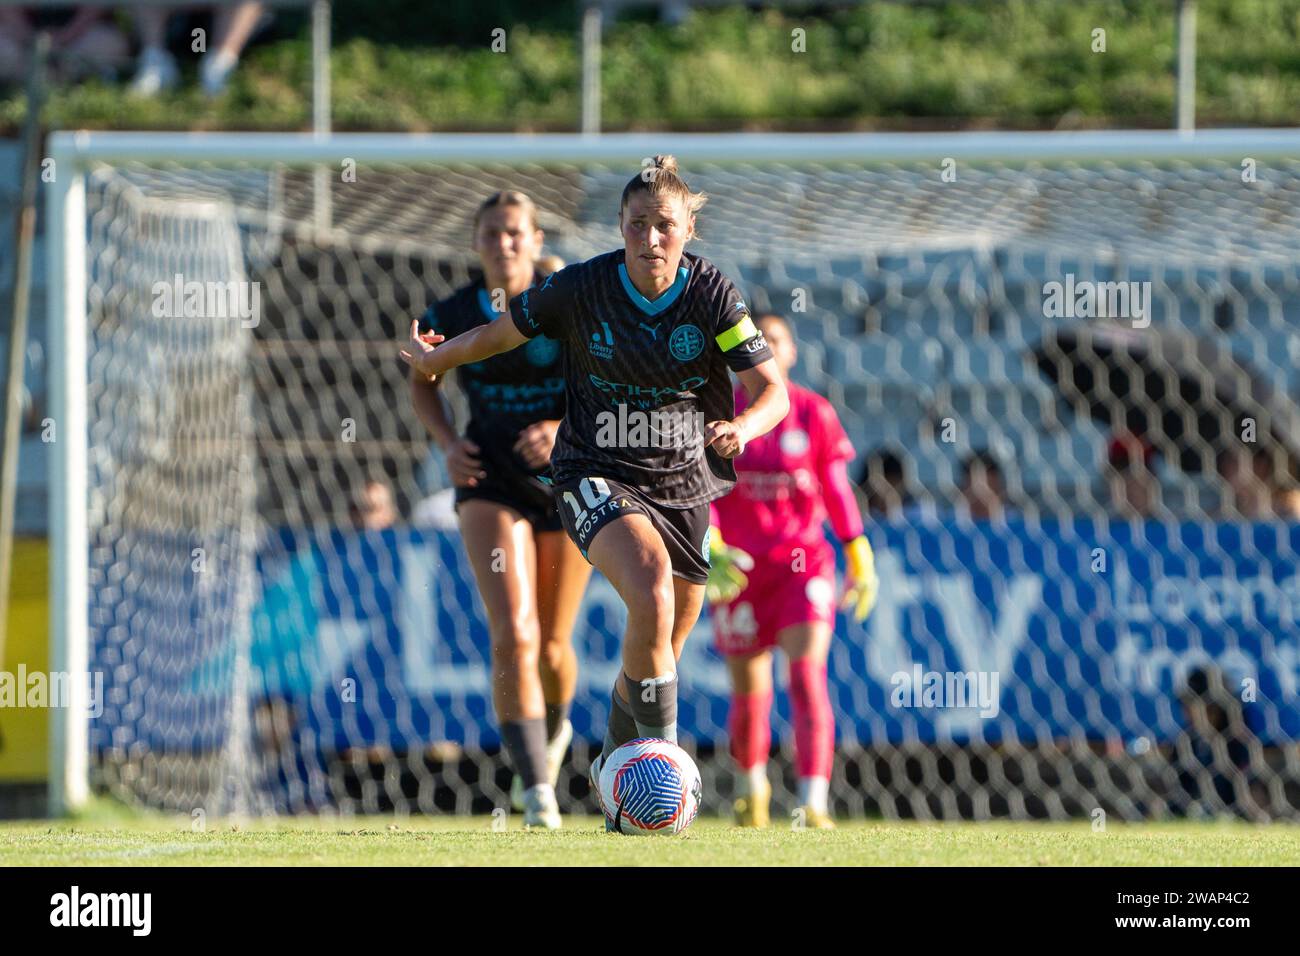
x,y
648,334
530,575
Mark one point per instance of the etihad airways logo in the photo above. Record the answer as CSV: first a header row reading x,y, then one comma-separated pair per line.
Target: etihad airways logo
x,y
646,396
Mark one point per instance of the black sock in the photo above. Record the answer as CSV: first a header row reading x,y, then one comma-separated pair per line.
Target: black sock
x,y
556,715
621,727
525,741
654,705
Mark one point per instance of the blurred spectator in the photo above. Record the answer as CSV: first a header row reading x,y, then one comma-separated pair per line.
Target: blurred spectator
x,y
83,42
375,509
1131,482
1215,754
1288,504
35,389
157,69
1255,484
983,487
273,727
884,482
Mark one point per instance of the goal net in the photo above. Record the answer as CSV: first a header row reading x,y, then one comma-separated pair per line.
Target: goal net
x,y
1067,364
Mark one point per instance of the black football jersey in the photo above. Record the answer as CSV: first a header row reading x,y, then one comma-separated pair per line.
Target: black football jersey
x,y
505,393
626,357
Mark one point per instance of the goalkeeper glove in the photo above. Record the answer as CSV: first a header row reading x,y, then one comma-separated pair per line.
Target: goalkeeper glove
x,y
727,567
860,592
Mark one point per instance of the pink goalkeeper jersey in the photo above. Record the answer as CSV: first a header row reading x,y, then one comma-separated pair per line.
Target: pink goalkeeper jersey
x,y
791,481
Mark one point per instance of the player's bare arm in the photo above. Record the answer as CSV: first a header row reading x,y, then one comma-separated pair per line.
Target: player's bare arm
x,y
432,355
431,409
768,404
463,464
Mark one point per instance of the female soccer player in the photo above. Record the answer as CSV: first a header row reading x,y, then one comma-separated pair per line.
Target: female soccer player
x,y
530,575
790,482
648,333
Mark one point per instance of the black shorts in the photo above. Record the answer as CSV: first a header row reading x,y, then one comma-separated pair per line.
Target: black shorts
x,y
588,504
529,496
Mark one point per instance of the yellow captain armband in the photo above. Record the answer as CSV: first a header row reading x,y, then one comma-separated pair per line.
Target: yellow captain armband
x,y
742,331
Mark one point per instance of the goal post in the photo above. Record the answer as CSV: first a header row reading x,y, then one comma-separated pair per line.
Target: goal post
x,y
918,264
69,780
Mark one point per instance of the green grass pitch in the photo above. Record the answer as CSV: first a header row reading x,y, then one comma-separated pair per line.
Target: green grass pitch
x,y
472,841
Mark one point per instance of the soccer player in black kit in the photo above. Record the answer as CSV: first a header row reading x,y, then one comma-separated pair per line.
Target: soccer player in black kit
x,y
648,334
531,577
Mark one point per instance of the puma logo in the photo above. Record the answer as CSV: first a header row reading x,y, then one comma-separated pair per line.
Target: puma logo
x,y
652,329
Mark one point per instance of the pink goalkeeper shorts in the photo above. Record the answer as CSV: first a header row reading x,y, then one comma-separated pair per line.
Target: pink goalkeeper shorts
x,y
780,593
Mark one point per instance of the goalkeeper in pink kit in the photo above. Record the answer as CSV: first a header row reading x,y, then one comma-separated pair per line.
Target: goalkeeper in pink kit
x,y
772,584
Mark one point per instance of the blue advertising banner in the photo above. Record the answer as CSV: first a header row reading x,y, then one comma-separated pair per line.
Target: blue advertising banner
x,y
1018,630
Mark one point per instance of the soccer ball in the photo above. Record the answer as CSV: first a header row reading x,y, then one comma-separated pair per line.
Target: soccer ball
x,y
649,786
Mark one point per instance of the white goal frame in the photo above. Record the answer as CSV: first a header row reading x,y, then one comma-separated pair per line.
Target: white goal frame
x,y
73,154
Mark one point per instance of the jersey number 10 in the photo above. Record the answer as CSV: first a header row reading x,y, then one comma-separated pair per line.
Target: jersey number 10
x,y
595,492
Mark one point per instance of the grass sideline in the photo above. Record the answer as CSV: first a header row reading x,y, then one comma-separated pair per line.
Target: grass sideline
x,y
1028,64
472,841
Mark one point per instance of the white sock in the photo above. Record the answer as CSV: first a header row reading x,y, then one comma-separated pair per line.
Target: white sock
x,y
221,60
813,793
539,793
156,58
215,69
751,780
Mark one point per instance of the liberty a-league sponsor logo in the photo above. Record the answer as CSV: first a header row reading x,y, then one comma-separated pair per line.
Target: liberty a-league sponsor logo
x,y
757,343
686,343
131,910
542,351
602,343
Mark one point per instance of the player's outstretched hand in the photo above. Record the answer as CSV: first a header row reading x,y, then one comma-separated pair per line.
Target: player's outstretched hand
x,y
727,567
536,441
419,351
861,587
725,438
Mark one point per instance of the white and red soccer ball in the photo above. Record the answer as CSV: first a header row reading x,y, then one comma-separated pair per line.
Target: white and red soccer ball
x,y
649,787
